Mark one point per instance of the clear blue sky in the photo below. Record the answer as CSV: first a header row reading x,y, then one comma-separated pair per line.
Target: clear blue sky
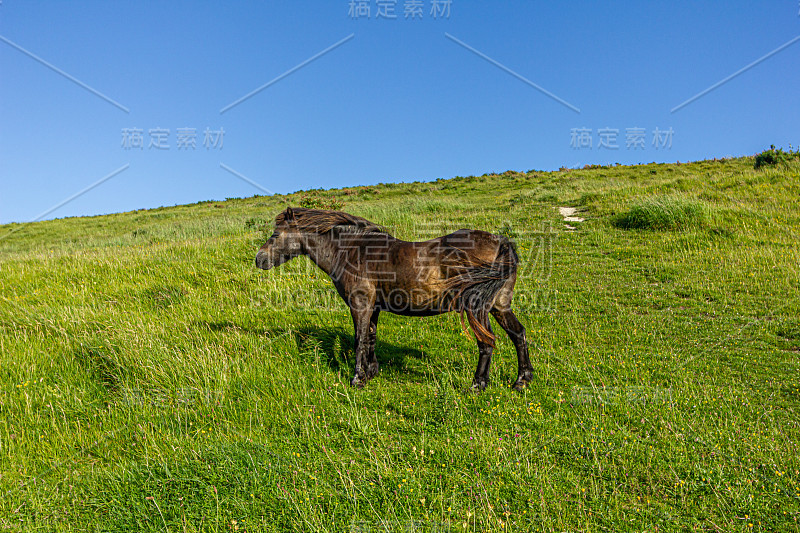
x,y
402,99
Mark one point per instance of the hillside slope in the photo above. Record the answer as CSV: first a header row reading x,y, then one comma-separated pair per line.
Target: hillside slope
x,y
152,378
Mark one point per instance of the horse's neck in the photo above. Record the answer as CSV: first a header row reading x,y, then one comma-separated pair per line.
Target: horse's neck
x,y
322,251
333,254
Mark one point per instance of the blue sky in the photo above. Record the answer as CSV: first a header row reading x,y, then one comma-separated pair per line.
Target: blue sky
x,y
491,87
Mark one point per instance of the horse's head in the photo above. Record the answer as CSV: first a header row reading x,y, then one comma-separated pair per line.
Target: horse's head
x,y
285,243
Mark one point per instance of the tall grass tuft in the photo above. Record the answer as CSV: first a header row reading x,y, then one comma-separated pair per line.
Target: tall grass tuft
x,y
774,157
664,214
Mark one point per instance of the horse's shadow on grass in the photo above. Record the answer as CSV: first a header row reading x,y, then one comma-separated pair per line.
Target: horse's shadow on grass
x,y
102,364
335,347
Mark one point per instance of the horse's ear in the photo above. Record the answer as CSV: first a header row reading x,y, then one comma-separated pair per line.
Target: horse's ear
x,y
289,215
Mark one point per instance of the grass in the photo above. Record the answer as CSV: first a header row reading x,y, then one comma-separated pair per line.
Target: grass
x,y
151,379
664,213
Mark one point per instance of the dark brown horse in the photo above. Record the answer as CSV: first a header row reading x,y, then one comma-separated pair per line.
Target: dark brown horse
x,y
469,271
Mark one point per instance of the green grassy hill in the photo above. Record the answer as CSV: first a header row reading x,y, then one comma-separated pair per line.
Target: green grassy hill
x,y
152,379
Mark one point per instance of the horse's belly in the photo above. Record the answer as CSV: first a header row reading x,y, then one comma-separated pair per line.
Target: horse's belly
x,y
411,311
406,301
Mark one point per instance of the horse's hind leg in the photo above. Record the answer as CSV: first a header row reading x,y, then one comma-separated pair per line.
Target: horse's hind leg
x,y
516,332
481,378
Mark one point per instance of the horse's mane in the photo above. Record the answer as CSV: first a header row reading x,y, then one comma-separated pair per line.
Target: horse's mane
x,y
322,221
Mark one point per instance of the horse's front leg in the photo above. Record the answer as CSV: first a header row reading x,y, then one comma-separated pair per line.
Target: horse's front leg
x,y
372,360
361,310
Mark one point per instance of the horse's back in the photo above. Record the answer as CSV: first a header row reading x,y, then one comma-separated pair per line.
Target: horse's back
x,y
475,243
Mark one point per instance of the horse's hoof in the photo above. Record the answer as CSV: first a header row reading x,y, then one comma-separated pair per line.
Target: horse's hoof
x,y
519,386
478,386
522,381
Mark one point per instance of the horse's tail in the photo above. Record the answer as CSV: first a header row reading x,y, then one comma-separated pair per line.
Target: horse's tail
x,y
473,291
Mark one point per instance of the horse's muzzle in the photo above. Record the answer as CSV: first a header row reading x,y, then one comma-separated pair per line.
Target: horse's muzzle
x,y
262,261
